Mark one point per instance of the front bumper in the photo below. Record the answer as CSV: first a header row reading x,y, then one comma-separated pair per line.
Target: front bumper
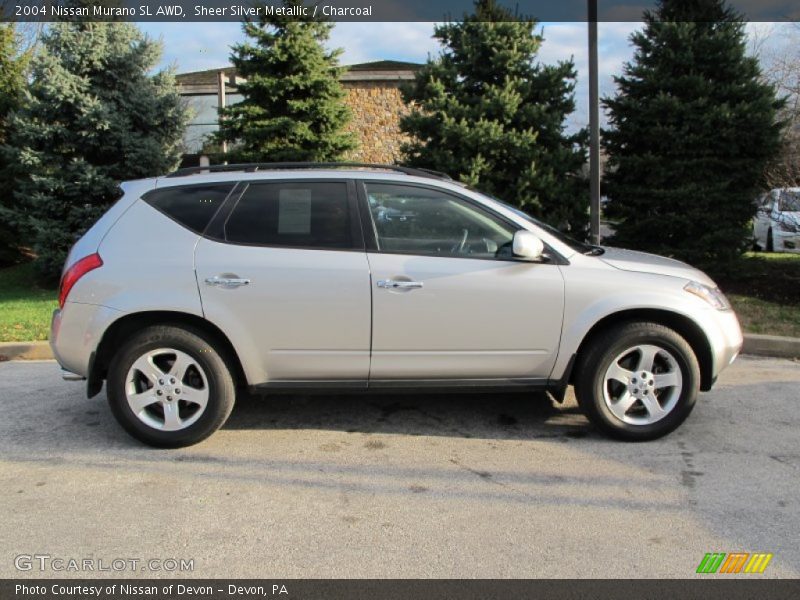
x,y
786,241
725,338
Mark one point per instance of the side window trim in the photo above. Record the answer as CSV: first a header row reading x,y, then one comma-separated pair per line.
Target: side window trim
x,y
367,224
217,232
214,231
370,233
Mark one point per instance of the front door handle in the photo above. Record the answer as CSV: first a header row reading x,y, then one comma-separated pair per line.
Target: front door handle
x,y
394,284
227,281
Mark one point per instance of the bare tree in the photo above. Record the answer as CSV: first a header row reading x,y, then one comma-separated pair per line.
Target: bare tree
x,y
778,50
28,32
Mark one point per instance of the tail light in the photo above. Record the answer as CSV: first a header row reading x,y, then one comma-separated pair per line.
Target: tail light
x,y
74,273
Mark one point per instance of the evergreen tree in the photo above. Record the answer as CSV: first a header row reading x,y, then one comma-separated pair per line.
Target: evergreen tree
x,y
293,107
486,112
12,74
693,127
12,84
93,116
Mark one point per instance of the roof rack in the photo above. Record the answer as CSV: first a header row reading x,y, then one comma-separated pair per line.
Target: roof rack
x,y
279,166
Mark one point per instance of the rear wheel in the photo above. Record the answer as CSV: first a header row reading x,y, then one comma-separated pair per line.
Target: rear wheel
x,y
169,387
637,381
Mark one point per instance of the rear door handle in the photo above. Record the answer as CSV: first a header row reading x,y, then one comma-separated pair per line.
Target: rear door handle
x,y
394,284
227,281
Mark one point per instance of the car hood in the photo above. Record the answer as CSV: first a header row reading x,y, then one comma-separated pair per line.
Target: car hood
x,y
642,262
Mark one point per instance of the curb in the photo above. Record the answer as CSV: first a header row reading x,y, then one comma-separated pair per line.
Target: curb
x,y
25,351
757,345
771,345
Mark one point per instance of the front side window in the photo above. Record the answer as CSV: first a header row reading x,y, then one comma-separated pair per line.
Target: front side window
x,y
581,247
417,220
293,214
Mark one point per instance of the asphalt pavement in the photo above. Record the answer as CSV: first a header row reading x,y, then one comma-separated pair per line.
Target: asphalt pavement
x,y
401,486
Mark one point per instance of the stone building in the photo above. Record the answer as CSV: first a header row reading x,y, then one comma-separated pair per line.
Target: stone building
x,y
373,94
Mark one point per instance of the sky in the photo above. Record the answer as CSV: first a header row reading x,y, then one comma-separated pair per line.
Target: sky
x,y
199,46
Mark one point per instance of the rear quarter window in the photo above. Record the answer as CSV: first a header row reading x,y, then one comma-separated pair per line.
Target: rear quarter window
x,y
192,206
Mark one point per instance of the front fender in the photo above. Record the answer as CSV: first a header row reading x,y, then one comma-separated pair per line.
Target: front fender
x,y
594,295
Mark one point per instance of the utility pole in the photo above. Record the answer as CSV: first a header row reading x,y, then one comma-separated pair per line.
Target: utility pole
x,y
594,126
221,103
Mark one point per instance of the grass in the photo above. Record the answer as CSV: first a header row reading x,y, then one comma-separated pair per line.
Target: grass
x,y
763,288
760,316
25,309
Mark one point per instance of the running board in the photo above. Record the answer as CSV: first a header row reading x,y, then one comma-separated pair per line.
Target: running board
x,y
499,385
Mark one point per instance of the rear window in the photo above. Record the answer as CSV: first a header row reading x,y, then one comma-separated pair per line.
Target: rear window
x,y
292,214
192,206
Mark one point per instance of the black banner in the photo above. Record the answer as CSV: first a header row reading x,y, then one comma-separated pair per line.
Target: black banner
x,y
354,10
394,589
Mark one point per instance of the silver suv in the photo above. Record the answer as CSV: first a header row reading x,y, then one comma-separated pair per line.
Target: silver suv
x,y
371,278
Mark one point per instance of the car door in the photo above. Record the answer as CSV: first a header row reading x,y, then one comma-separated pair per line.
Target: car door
x,y
282,271
449,301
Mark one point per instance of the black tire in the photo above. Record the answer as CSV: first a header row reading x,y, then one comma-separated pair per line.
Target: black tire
x,y
598,356
770,244
221,388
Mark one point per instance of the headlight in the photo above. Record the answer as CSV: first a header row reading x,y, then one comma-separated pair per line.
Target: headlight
x,y
711,295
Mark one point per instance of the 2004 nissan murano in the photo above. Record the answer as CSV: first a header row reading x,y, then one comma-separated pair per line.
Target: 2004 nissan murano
x,y
364,277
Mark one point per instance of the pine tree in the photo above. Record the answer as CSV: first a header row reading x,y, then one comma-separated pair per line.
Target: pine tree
x,y
293,107
92,116
12,84
692,129
489,114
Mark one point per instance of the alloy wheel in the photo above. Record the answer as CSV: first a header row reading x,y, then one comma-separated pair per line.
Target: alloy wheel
x,y
167,389
642,384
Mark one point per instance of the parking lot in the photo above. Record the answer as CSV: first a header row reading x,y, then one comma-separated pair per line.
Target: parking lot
x,y
404,486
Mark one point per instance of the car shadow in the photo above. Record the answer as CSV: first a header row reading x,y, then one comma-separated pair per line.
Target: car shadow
x,y
467,415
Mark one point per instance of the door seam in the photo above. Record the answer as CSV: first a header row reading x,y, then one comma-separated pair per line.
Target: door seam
x,y
371,316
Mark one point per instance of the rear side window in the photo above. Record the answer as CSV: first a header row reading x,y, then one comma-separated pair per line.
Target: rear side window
x,y
192,206
293,214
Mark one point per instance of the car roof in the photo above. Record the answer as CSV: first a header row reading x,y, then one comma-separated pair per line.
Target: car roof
x,y
283,171
283,166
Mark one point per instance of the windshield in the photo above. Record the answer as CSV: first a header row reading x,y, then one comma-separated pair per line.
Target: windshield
x,y
581,247
790,202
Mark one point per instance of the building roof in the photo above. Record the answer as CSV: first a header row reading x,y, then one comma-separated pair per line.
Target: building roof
x,y
384,65
205,82
380,70
207,77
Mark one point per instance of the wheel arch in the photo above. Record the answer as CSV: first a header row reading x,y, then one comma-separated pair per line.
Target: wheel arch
x,y
126,325
682,324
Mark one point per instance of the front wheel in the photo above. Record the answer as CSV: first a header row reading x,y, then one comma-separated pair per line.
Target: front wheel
x,y
637,381
169,387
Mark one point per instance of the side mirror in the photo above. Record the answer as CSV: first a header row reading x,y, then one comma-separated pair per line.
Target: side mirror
x,y
526,245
